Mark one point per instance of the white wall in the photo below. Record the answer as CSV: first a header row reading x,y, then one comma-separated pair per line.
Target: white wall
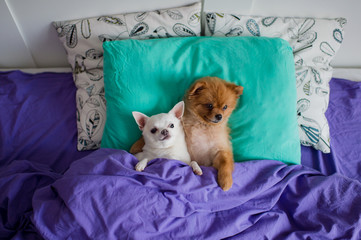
x,y
31,41
27,38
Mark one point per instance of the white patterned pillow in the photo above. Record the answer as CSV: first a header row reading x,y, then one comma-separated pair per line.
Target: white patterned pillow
x,y
83,40
314,42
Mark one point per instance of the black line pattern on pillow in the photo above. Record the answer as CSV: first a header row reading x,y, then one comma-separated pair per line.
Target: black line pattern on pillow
x,y
161,33
111,20
141,16
326,48
72,36
183,31
314,43
175,14
235,31
139,29
268,21
211,22
85,29
83,41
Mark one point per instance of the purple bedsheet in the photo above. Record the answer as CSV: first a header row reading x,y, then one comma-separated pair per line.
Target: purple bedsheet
x,y
102,197
101,191
344,118
38,119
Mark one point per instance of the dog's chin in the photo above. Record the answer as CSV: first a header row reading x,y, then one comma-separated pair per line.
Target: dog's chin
x,y
164,142
164,138
211,121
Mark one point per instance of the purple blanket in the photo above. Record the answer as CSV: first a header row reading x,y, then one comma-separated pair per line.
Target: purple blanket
x,y
102,197
38,119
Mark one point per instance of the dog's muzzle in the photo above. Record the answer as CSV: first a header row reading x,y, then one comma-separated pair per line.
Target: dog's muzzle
x,y
164,134
218,117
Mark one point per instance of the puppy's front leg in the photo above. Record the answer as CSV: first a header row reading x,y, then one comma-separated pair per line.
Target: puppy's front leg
x,y
142,164
196,169
137,146
223,162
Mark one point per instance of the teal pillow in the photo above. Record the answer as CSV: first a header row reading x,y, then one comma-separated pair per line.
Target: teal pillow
x,y
151,76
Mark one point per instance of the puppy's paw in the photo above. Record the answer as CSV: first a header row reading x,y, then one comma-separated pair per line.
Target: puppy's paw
x,y
196,168
225,180
199,172
141,165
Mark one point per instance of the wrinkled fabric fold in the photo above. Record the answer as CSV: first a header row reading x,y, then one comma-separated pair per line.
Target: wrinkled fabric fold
x,y
102,197
18,182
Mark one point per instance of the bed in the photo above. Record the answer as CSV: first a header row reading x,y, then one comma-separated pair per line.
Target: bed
x,y
65,169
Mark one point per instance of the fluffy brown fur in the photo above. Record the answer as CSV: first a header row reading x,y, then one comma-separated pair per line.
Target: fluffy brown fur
x,y
208,104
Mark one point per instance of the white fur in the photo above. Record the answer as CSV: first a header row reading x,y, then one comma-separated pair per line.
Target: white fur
x,y
159,145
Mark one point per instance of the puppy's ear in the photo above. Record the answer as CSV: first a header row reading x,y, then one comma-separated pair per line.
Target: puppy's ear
x,y
141,119
178,110
237,89
196,88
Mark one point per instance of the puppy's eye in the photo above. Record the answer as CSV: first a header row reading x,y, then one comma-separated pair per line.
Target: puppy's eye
x,y
209,106
154,130
171,125
225,107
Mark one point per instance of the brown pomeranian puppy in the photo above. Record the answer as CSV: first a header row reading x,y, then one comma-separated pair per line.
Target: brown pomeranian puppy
x,y
208,104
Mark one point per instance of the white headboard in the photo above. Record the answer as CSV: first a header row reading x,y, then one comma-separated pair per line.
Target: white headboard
x,y
28,40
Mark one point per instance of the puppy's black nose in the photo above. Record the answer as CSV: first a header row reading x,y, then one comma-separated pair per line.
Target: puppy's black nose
x,y
164,132
218,117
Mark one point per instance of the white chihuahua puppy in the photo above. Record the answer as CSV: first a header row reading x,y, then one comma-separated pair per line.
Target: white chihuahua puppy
x,y
164,138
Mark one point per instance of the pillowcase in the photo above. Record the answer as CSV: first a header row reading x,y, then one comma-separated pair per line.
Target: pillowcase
x,y
314,43
141,76
83,39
